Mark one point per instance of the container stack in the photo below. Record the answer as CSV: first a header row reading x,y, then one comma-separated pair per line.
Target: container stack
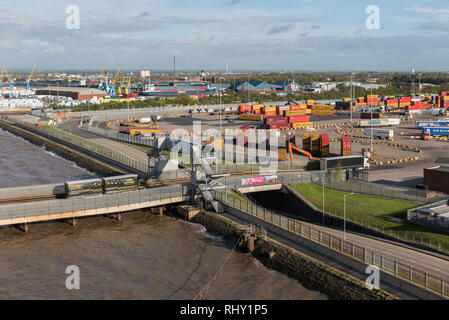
x,y
277,123
367,115
306,141
315,143
444,101
405,102
361,101
345,146
372,99
343,105
392,103
268,111
245,109
322,111
251,116
281,109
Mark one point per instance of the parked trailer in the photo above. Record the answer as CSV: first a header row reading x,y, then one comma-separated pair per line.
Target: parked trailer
x,y
379,133
343,162
422,124
120,183
83,187
380,122
437,131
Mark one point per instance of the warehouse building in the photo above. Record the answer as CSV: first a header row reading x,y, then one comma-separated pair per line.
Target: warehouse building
x,y
437,179
76,93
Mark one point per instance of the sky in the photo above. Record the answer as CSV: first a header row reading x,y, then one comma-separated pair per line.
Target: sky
x,y
259,35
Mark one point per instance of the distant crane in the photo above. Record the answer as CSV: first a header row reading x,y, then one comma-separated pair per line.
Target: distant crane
x,y
103,83
128,86
112,90
28,81
119,90
11,81
1,79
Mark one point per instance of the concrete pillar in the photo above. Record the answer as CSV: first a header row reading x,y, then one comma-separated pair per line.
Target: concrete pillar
x,y
118,216
250,244
25,227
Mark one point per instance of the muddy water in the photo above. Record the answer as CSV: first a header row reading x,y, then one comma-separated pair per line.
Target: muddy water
x,y
143,256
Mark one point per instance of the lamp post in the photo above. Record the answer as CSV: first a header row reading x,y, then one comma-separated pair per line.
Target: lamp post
x,y
344,214
322,178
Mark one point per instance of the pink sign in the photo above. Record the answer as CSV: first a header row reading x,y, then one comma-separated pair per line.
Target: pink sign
x,y
257,180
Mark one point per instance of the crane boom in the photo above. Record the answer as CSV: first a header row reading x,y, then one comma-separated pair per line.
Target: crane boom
x,y
32,72
291,146
116,76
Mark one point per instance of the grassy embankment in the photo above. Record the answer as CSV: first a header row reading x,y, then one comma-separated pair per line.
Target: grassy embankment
x,y
375,212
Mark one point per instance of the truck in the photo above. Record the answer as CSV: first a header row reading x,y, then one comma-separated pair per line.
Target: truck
x,y
379,133
436,131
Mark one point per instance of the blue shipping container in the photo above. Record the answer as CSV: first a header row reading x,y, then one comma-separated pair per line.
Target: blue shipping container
x,y
437,131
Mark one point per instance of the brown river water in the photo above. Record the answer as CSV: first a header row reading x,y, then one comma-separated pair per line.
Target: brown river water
x,y
143,256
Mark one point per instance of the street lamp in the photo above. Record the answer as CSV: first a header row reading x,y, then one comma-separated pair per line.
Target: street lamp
x,y
352,94
344,214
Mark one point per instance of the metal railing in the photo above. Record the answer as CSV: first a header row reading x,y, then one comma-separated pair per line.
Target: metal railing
x,y
143,167
383,190
76,204
405,271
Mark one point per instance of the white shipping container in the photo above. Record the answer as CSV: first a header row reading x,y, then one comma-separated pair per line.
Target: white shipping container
x,y
379,133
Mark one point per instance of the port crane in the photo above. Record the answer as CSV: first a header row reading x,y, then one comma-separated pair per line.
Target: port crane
x,y
128,86
1,79
11,81
112,90
119,90
103,83
290,150
28,81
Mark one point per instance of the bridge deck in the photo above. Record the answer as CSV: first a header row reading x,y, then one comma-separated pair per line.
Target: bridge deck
x,y
18,213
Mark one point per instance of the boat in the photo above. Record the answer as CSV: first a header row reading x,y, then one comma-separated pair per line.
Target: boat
x,y
173,90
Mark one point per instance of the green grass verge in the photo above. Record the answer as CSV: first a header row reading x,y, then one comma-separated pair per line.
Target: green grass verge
x,y
52,129
374,212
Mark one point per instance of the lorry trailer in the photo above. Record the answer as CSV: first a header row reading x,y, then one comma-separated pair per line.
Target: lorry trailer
x,y
379,133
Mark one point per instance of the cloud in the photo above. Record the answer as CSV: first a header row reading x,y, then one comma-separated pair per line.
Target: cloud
x,y
429,10
280,28
233,2
315,27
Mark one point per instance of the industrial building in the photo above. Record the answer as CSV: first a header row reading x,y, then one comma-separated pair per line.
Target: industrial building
x,y
264,87
437,179
76,93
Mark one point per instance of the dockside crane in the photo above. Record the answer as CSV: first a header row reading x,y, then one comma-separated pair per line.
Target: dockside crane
x,y
112,90
28,81
11,81
1,79
103,83
128,86
119,90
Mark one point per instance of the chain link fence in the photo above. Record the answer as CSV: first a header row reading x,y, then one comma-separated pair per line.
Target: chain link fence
x,y
400,269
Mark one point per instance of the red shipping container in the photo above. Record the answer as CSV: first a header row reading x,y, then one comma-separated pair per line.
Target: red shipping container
x,y
325,140
270,113
444,93
244,109
275,120
256,111
298,107
299,119
345,145
280,126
